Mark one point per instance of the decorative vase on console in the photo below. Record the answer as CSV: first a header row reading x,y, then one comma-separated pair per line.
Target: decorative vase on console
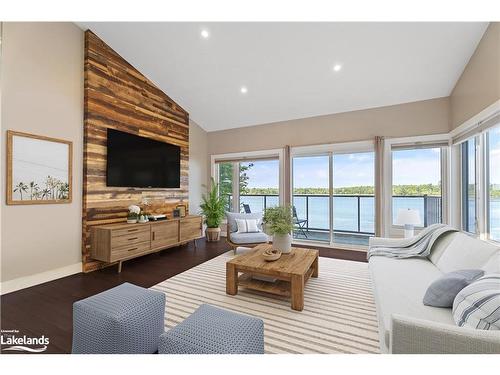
x,y
143,218
133,213
279,224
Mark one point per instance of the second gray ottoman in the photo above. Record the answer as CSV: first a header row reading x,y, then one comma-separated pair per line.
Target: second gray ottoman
x,y
122,320
211,330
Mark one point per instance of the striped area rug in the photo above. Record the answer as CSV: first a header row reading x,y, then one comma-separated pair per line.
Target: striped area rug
x,y
338,317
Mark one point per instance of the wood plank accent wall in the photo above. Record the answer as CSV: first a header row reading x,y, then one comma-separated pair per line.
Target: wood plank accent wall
x,y
118,96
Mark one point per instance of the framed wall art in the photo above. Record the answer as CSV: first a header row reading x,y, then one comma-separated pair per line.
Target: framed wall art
x,y
39,169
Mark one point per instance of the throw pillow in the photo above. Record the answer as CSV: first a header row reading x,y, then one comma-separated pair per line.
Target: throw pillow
x,y
478,305
443,291
247,225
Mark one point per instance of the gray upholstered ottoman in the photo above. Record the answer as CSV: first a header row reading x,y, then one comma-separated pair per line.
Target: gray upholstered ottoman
x,y
124,319
210,330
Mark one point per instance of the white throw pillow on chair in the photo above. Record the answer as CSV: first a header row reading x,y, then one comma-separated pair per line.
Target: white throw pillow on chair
x,y
247,225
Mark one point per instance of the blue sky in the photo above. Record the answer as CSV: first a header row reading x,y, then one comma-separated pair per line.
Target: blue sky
x,y
415,167
264,174
421,166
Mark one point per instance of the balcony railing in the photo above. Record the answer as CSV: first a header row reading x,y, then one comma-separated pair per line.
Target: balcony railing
x,y
351,213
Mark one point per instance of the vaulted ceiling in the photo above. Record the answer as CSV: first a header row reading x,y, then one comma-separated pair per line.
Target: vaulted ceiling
x,y
293,70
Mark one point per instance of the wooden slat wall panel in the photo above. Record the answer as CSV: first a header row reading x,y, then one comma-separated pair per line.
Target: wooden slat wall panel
x,y
118,96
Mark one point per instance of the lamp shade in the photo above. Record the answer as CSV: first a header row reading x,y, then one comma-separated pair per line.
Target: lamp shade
x,y
407,216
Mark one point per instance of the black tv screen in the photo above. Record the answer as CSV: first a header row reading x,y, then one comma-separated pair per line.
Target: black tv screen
x,y
135,161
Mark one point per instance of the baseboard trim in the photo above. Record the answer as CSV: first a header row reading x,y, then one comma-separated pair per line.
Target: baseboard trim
x,y
39,278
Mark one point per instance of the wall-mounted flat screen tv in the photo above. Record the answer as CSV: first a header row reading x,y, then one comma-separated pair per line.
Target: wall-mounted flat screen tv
x,y
141,162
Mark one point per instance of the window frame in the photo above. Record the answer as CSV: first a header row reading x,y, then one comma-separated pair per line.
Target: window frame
x,y
437,140
483,225
464,177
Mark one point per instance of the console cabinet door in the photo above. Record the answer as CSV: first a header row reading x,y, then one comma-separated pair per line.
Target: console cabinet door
x,y
164,234
191,228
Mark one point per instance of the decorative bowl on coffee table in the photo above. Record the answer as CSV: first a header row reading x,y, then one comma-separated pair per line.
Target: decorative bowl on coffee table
x,y
271,255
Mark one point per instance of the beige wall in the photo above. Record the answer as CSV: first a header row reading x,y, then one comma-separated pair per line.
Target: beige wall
x,y
479,84
198,167
418,118
42,93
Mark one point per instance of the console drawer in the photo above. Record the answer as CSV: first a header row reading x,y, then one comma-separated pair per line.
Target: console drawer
x,y
134,229
129,250
130,238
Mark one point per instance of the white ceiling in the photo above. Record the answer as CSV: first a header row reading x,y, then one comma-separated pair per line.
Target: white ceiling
x,y
288,67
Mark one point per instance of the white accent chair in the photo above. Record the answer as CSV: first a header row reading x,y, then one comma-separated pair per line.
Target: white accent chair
x,y
236,239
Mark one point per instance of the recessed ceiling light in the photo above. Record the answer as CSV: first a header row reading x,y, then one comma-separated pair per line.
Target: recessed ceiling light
x,y
337,67
205,34
243,89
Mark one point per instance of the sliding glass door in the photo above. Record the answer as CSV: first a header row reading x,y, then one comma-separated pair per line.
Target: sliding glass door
x,y
311,197
333,197
353,198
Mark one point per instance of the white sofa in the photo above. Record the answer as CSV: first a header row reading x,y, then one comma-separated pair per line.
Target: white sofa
x,y
406,325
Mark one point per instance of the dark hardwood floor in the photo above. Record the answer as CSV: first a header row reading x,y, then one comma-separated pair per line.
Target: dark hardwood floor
x,y
46,309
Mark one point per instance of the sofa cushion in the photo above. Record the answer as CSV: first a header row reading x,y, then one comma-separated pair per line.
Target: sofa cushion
x,y
247,225
441,245
443,291
244,238
232,216
465,252
399,287
478,305
493,264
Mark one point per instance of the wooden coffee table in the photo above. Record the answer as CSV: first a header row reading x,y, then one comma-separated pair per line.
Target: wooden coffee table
x,y
291,272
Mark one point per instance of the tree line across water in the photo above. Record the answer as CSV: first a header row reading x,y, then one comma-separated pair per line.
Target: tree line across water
x,y
405,190
226,176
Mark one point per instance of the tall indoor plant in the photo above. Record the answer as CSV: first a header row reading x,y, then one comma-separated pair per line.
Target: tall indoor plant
x,y
279,223
212,208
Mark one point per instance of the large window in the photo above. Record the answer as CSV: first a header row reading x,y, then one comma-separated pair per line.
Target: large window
x,y
480,177
493,161
469,188
417,183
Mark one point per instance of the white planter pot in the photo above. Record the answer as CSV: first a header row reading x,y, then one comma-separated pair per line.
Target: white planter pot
x,y
282,243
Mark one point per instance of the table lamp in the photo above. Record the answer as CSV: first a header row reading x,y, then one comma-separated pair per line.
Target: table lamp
x,y
408,218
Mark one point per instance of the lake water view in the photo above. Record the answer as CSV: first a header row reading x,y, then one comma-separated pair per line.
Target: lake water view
x,y
345,212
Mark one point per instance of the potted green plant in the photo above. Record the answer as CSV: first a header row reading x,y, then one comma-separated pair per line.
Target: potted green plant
x,y
278,223
212,208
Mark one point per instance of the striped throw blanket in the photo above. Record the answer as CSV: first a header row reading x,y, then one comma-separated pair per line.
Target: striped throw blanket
x,y
418,246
